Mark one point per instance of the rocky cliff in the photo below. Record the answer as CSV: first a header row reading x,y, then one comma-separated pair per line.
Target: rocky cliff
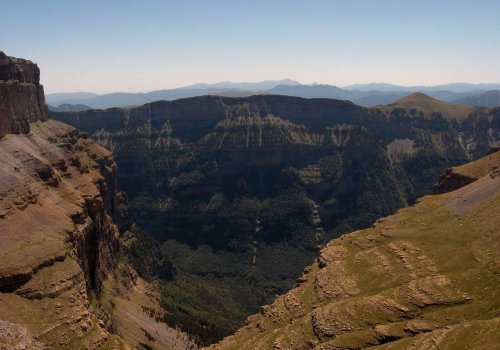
x,y
21,96
424,278
61,221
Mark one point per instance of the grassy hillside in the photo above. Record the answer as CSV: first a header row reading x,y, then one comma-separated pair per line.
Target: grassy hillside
x,y
479,167
426,277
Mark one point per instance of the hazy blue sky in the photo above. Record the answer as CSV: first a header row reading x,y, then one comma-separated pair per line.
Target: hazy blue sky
x,y
104,46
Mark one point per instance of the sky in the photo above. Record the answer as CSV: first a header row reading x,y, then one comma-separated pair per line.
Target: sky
x,y
120,45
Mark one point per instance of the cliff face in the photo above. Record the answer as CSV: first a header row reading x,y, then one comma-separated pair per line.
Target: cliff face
x,y
21,96
61,218
424,278
58,200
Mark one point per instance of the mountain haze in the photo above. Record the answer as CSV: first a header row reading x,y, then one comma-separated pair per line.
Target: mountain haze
x,y
487,99
56,97
367,95
261,85
453,87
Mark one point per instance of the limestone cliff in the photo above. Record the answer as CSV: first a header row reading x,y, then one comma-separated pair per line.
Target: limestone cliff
x,y
21,96
61,218
424,278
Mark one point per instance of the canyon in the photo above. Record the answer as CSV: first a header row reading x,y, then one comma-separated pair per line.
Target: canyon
x,y
241,193
166,226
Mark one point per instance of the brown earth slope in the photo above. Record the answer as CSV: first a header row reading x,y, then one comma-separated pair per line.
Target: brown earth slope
x,y
424,278
427,106
61,216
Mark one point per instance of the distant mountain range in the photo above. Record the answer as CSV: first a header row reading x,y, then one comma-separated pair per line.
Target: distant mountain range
x,y
362,94
128,99
453,87
261,85
489,98
69,108
56,97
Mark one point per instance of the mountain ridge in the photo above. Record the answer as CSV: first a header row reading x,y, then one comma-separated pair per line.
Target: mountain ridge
x,y
366,97
490,98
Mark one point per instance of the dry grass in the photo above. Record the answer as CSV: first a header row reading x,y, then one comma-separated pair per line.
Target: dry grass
x,y
480,167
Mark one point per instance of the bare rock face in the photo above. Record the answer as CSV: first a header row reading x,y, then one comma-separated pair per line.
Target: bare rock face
x,y
58,199
21,96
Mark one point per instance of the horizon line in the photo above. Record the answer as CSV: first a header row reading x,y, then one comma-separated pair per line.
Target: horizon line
x,y
187,87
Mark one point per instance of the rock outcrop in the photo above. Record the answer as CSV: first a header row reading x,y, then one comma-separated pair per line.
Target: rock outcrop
x,y
451,180
21,96
424,278
458,177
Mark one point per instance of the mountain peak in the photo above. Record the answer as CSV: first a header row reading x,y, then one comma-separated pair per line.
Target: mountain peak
x,y
429,106
417,97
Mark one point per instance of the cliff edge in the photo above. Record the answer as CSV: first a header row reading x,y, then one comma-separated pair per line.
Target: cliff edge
x,y
21,96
